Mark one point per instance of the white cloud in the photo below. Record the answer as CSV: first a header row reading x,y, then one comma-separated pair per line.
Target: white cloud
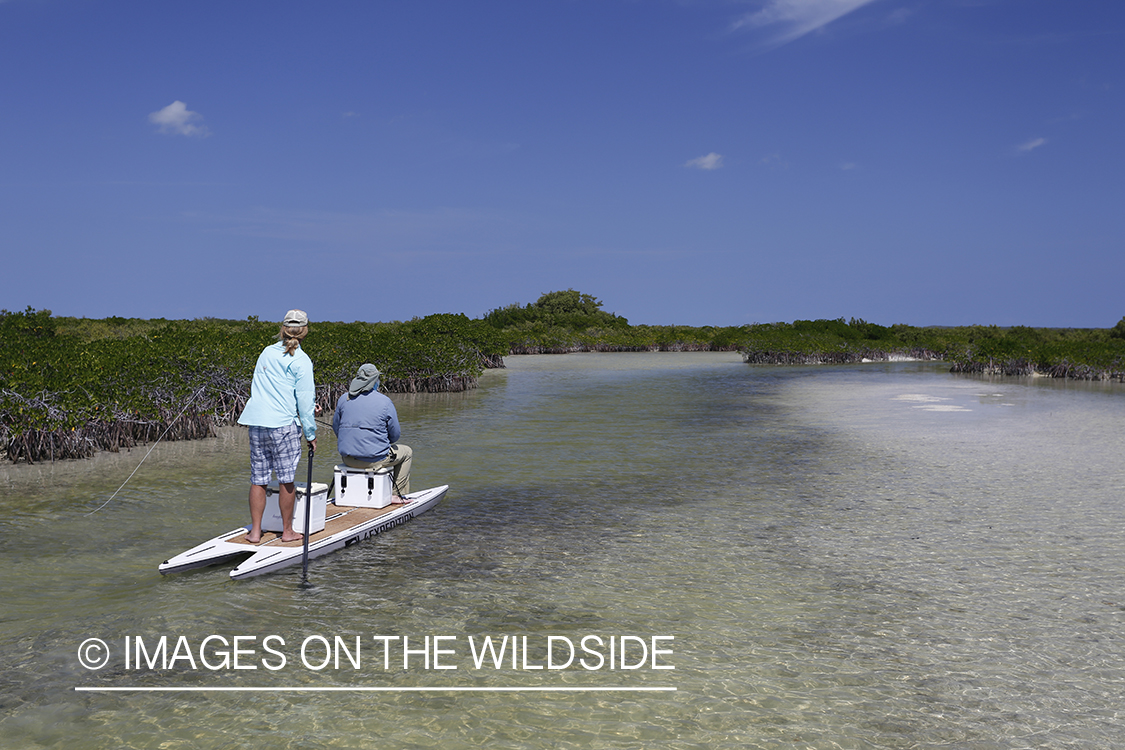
x,y
795,18
177,119
708,162
1031,145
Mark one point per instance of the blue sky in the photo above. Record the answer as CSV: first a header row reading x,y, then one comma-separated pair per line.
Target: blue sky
x,y
700,162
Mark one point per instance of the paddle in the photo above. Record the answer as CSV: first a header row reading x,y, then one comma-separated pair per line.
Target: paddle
x,y
308,518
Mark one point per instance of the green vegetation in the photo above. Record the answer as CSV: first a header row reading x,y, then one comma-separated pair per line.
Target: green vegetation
x,y
569,309
1084,354
835,342
570,321
1091,354
72,386
558,322
1118,331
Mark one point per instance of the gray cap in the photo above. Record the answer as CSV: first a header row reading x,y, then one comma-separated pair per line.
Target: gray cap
x,y
365,380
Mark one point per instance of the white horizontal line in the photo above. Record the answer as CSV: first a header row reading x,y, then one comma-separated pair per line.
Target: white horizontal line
x,y
511,689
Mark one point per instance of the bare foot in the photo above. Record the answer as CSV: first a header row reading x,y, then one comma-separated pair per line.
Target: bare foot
x,y
396,500
253,540
292,537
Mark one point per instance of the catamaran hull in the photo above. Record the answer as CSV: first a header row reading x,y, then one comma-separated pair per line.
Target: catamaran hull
x,y
344,527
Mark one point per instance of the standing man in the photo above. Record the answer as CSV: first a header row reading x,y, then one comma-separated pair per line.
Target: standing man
x,y
281,393
367,431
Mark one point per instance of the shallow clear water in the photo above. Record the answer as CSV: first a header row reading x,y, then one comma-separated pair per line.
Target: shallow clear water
x,y
876,556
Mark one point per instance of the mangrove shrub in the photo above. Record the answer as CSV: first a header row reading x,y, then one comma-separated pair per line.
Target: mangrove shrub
x,y
70,387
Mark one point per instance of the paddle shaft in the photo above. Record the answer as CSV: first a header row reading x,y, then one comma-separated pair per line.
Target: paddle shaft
x,y
308,517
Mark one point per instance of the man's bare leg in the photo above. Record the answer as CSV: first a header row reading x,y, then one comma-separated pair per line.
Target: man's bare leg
x,y
286,499
257,510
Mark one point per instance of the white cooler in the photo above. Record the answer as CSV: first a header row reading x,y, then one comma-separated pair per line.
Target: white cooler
x,y
363,488
271,519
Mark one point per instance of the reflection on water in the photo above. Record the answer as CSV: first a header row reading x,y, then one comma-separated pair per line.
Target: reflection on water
x,y
879,556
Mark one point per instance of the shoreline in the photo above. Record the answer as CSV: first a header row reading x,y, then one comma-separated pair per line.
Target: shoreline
x,y
38,447
1023,368
13,476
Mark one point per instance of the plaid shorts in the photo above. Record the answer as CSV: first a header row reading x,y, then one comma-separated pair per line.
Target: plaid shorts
x,y
276,449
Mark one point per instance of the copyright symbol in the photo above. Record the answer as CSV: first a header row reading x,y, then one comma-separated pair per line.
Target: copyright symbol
x,y
93,653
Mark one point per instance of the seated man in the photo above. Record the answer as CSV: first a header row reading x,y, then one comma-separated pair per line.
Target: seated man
x,y
367,431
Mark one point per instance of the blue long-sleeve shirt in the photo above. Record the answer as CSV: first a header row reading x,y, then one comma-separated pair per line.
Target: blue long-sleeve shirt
x,y
282,391
366,426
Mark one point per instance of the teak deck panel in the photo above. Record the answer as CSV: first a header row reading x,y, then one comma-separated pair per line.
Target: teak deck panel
x,y
342,519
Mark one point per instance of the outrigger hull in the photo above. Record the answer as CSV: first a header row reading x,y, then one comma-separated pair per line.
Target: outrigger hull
x,y
343,527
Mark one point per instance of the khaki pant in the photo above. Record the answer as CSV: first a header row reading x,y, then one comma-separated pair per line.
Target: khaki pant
x,y
399,458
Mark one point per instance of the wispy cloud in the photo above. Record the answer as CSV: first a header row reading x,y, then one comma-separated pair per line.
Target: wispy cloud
x,y
900,15
708,162
795,18
1031,145
774,161
177,119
